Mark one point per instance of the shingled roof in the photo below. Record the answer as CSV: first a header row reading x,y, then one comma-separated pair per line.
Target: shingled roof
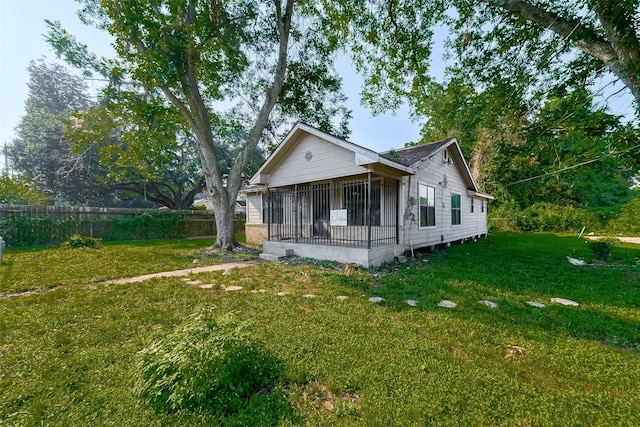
x,y
409,156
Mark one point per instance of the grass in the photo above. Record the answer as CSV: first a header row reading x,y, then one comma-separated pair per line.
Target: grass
x,y
44,268
65,356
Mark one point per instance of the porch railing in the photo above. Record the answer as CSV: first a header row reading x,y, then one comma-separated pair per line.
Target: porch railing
x,y
360,212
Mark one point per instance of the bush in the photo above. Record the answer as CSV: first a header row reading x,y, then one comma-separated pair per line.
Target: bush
x,y
79,241
602,247
544,217
206,363
627,222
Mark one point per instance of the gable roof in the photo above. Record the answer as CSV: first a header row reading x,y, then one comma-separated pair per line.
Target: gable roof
x,y
363,155
403,160
411,155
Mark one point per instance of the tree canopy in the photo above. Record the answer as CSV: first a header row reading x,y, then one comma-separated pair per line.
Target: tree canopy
x,y
222,66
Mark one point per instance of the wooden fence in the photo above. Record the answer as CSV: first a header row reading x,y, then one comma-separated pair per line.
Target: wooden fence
x,y
42,225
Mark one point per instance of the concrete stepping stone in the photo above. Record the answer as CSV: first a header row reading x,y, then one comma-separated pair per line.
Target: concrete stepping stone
x,y
209,286
227,272
342,297
411,302
256,291
447,304
309,295
565,301
233,288
193,282
281,294
376,299
488,303
536,304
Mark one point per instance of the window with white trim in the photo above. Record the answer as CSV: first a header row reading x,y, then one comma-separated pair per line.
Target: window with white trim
x,y
455,209
472,203
427,206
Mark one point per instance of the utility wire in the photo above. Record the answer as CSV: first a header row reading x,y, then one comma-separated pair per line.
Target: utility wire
x,y
570,167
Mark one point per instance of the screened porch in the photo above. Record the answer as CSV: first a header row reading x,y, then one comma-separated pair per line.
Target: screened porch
x,y
353,212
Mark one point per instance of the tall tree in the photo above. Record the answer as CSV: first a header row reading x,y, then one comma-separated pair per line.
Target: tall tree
x,y
40,152
529,44
205,55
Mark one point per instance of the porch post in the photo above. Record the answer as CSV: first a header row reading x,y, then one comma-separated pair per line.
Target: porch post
x,y
397,212
369,215
268,215
295,210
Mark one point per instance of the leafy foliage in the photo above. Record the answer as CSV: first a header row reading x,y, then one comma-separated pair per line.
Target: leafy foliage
x,y
40,152
210,363
20,191
77,241
211,69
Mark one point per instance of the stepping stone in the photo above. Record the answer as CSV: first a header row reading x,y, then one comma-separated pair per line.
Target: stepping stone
x,y
447,304
488,303
342,297
227,272
564,301
194,282
206,286
233,288
536,304
255,291
412,302
575,261
376,299
195,261
309,296
281,294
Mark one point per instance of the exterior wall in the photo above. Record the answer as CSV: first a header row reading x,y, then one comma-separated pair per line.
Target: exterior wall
x,y
361,256
256,234
327,161
254,208
432,173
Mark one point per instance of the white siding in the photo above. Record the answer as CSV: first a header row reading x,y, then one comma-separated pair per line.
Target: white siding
x,y
254,208
327,161
432,173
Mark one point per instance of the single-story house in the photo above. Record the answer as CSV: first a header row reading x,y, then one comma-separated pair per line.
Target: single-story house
x,y
323,197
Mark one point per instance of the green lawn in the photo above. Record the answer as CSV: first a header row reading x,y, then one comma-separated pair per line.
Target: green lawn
x,y
66,356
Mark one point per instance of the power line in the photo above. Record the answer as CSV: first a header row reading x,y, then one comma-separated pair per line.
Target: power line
x,y
570,167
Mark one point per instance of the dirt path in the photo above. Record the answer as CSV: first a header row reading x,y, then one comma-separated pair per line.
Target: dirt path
x,y
178,273
125,280
635,240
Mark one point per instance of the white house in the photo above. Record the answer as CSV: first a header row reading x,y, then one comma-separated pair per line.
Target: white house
x,y
322,197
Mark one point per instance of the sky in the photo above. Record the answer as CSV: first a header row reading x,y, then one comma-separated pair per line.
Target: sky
x,y
21,40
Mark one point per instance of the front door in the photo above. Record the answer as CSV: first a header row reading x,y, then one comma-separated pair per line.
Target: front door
x,y
321,210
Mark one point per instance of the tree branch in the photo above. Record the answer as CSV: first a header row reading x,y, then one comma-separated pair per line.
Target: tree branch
x,y
586,38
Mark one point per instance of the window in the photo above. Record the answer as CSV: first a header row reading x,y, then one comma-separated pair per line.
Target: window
x,y
455,209
427,206
354,200
472,202
272,201
482,205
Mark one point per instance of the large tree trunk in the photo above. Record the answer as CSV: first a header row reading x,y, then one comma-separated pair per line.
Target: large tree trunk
x,y
225,216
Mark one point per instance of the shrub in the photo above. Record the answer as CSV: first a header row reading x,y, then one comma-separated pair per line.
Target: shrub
x,y
80,241
627,222
206,363
602,247
545,217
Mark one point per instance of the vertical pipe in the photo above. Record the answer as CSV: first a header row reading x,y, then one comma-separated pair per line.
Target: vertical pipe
x,y
369,209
